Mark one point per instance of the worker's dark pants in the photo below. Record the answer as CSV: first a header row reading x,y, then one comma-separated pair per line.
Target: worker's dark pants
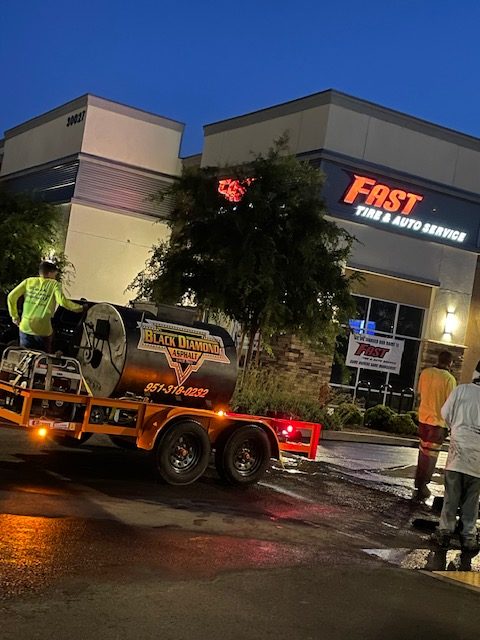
x,y
36,343
431,440
461,491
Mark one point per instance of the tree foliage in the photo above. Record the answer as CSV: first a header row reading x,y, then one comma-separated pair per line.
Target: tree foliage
x,y
272,261
28,231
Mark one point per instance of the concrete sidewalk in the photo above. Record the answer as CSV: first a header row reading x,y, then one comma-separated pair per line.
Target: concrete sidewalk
x,y
372,438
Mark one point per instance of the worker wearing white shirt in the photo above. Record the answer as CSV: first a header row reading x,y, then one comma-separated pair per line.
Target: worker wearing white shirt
x,y
461,412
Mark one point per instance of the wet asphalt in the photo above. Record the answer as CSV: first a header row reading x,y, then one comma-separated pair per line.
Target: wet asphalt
x,y
91,546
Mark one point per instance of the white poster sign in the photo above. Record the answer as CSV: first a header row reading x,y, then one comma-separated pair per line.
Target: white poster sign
x,y
375,352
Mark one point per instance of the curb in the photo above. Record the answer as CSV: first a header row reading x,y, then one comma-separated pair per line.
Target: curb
x,y
371,438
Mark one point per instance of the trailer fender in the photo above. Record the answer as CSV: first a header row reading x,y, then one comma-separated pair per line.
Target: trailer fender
x,y
233,425
159,423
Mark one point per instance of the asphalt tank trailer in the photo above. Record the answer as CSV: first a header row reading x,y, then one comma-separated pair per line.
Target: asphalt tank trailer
x,y
160,383
128,351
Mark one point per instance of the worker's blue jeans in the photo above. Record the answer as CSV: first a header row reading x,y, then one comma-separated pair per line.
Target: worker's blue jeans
x,y
36,343
461,491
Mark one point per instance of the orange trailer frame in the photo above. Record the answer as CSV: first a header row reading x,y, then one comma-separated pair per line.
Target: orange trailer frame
x,y
152,419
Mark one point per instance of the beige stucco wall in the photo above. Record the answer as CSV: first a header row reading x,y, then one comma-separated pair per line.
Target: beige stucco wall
x,y
108,250
348,131
43,143
306,131
388,288
107,130
472,339
123,138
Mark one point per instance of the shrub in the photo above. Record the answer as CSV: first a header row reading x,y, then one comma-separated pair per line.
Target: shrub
x,y
348,414
378,417
413,415
264,392
404,425
330,420
384,419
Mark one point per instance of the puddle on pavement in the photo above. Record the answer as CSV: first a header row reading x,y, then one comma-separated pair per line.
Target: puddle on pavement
x,y
428,559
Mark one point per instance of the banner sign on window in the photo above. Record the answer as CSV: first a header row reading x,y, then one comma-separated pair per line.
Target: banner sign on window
x,y
375,352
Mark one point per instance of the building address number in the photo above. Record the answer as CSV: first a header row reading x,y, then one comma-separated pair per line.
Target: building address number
x,y
75,119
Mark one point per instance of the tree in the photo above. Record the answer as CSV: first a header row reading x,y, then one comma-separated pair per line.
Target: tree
x,y
260,249
29,231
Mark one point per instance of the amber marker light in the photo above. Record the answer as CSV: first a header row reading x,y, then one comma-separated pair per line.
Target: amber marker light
x,y
42,432
221,413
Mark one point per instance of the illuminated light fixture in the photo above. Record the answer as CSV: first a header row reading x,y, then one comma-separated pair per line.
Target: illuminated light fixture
x,y
221,413
450,323
42,432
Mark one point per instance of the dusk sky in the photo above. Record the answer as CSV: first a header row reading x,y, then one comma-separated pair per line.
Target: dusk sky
x,y
199,62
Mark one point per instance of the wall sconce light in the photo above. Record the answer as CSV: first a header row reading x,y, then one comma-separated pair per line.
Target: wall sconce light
x,y
450,323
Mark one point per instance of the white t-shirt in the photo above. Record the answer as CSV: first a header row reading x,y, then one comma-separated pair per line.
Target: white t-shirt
x,y
462,414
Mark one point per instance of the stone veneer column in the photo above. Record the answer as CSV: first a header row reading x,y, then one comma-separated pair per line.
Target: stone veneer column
x,y
430,351
306,370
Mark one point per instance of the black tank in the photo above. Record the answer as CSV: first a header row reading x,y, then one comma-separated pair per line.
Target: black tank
x,y
126,351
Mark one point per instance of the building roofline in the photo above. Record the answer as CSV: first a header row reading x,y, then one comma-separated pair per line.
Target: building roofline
x,y
93,100
338,98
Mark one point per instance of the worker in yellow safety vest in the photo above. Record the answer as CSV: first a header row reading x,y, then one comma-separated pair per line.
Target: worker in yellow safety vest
x,y
434,386
41,296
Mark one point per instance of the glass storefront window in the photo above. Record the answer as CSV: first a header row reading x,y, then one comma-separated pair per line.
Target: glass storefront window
x,y
341,374
381,317
362,307
410,321
406,378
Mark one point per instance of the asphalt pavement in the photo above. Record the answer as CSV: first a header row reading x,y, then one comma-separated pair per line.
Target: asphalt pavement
x,y
91,547
391,467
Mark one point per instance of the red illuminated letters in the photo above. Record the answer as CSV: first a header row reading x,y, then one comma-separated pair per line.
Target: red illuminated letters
x,y
381,196
370,351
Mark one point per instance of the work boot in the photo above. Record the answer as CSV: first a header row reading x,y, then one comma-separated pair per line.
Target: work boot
x,y
441,537
421,494
469,543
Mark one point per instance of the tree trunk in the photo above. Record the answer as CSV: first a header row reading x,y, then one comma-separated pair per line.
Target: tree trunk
x,y
259,348
242,342
251,338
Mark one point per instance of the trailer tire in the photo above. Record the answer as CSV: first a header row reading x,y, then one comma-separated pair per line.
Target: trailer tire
x,y
182,454
124,443
244,457
68,441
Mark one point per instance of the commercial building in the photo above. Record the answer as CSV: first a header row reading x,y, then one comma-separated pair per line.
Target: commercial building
x,y
100,161
409,191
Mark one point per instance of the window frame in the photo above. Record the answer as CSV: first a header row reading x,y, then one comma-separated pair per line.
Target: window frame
x,y
358,377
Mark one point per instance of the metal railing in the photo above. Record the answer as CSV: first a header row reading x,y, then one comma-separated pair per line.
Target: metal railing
x,y
400,401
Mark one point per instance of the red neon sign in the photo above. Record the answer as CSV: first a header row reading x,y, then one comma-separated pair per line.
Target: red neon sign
x,y
233,190
381,196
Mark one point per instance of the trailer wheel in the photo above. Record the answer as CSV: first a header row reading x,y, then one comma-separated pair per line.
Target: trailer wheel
x,y
244,457
68,441
182,455
124,443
